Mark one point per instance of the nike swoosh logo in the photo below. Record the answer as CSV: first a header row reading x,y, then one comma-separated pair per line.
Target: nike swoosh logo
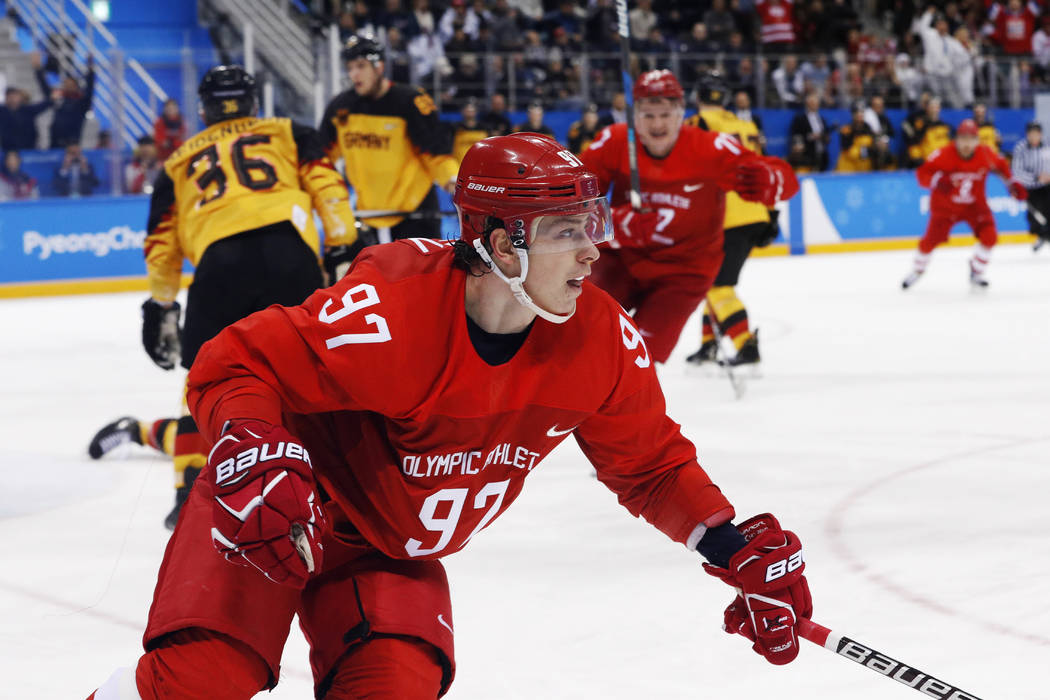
x,y
692,188
441,621
554,432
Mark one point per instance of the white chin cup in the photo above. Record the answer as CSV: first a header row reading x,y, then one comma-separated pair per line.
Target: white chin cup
x,y
517,284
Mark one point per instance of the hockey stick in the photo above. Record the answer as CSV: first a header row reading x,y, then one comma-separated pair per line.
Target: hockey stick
x,y
628,94
877,661
1036,214
738,383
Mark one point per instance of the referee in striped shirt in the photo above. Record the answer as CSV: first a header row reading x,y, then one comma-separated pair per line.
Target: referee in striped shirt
x,y
1031,167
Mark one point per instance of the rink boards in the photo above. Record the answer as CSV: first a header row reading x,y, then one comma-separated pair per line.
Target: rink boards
x,y
91,245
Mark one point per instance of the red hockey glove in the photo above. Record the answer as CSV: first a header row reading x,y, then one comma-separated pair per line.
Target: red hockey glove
x,y
1017,190
266,512
757,181
634,228
942,182
772,592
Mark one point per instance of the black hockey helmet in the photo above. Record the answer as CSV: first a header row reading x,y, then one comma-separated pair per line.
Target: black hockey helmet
x,y
227,92
362,46
711,88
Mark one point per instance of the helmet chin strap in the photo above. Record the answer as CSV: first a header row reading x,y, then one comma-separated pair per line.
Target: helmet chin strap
x,y
517,284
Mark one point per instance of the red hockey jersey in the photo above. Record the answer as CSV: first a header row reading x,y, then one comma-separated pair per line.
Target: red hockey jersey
x,y
687,188
419,442
966,175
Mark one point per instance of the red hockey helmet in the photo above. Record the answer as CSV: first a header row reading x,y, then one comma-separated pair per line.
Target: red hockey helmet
x,y
658,83
520,178
968,127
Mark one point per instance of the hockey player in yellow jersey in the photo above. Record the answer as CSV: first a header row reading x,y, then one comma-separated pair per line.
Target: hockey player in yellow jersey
x,y
393,145
747,224
237,201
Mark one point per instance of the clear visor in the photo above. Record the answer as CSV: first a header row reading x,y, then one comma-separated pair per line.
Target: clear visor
x,y
565,228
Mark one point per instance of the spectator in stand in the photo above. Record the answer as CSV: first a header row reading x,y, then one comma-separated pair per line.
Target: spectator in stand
x,y
563,45
535,51
427,55
700,41
16,183
468,83
496,122
809,126
876,119
424,18
601,17
656,47
787,79
18,117
347,25
966,64
468,131
458,12
742,110
583,130
363,18
395,16
562,86
909,78
777,24
71,107
1012,27
460,43
841,18
941,54
74,177
169,131
813,75
534,122
141,171
508,26
851,87
564,17
398,62
720,22
986,131
642,19
744,77
1041,50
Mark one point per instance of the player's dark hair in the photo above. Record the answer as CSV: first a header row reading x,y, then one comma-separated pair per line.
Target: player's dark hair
x,y
466,258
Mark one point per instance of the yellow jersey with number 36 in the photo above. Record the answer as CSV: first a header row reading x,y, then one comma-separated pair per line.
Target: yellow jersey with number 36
x,y
235,176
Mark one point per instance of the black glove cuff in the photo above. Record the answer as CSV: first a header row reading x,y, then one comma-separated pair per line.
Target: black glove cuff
x,y
719,544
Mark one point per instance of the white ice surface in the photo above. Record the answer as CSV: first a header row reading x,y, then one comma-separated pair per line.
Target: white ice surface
x,y
904,436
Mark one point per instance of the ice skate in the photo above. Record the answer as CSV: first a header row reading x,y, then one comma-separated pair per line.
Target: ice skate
x,y
977,279
747,354
707,354
911,280
117,433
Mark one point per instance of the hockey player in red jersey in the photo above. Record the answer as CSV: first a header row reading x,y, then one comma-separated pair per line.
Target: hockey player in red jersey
x,y
668,254
955,175
347,462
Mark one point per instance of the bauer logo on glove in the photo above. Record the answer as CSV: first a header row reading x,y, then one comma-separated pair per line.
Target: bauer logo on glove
x,y
238,465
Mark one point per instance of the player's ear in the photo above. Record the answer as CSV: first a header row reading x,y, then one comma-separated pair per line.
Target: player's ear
x,y
503,251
